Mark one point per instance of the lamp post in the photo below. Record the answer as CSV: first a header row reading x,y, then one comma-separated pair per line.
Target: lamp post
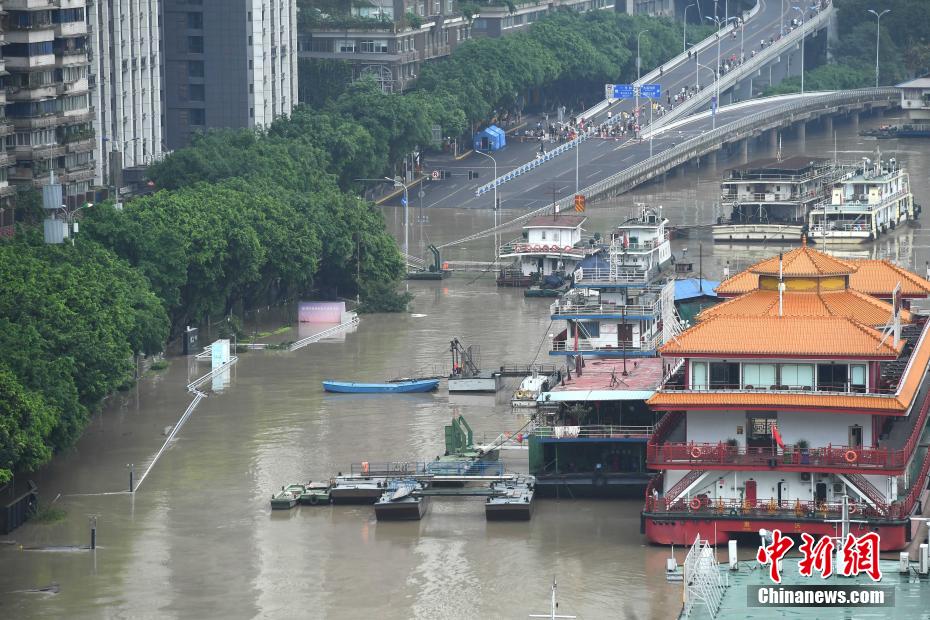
x,y
71,214
712,111
496,245
878,21
636,89
684,33
399,183
717,72
801,11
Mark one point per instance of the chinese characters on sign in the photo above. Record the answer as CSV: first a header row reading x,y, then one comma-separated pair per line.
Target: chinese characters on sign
x,y
860,555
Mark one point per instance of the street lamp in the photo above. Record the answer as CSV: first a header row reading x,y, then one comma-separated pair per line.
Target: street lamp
x,y
638,65
712,111
71,214
801,11
717,21
684,34
878,21
399,183
496,246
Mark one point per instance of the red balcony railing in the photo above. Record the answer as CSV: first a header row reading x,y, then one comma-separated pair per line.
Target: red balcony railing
x,y
701,504
706,455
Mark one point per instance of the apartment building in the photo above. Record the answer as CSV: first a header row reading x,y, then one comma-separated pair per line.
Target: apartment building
x,y
125,73
47,95
227,63
6,162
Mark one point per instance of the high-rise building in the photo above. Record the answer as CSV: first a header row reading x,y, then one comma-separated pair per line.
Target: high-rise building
x,y
126,84
48,102
6,162
227,63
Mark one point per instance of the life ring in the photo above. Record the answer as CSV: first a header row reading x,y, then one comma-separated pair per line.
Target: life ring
x,y
853,508
696,452
567,248
851,456
695,504
536,248
314,500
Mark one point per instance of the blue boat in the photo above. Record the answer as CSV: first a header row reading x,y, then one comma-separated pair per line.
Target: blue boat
x,y
397,387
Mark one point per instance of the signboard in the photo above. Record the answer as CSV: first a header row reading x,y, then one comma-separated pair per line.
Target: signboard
x,y
652,91
320,311
623,91
219,353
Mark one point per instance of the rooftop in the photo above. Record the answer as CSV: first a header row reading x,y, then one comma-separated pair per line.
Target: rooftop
x,y
803,261
847,303
921,82
772,165
871,276
791,337
556,221
602,379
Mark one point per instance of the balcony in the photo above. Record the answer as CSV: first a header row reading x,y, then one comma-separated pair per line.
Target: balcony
x,y
605,310
518,249
608,277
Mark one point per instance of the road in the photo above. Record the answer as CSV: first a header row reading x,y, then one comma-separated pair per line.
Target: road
x,y
598,157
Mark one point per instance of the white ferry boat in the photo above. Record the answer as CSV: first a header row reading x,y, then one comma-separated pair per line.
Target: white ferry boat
x,y
551,244
769,199
865,204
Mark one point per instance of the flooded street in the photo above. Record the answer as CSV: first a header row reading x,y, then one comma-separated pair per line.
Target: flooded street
x,y
198,539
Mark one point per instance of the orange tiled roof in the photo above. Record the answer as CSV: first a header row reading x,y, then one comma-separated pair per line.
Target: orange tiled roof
x,y
789,336
879,277
803,261
872,277
848,303
897,404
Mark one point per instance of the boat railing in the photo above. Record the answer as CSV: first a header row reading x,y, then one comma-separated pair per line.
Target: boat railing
x,y
594,432
702,504
604,308
606,276
586,346
407,469
845,388
509,249
858,203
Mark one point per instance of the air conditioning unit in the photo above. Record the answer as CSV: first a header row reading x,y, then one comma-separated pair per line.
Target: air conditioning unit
x,y
838,488
805,476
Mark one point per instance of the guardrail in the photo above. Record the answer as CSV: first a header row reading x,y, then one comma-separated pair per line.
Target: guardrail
x,y
332,331
594,432
604,308
532,164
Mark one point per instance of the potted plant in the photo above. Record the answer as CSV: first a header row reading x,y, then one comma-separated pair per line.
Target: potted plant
x,y
803,446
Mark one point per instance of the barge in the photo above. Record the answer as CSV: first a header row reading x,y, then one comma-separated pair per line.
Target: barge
x,y
399,503
512,501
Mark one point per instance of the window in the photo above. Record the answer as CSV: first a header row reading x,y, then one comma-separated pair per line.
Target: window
x,y
39,48
195,45
832,377
195,68
345,46
197,117
724,376
373,46
195,20
699,375
196,92
857,378
797,376
758,376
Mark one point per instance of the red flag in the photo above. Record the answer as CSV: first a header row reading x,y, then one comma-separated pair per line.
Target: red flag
x,y
777,436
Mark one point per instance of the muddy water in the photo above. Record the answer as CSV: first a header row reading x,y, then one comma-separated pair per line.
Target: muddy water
x,y
198,538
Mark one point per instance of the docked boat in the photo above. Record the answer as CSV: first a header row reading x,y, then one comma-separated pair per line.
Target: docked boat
x,y
401,504
466,375
529,390
908,130
512,501
287,497
356,489
553,285
769,199
315,493
864,204
624,305
396,387
551,244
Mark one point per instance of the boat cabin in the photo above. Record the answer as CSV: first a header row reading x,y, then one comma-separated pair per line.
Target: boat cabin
x,y
551,244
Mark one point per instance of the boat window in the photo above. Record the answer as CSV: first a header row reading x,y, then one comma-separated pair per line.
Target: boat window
x,y
724,376
590,329
758,376
857,378
760,429
832,377
797,376
699,375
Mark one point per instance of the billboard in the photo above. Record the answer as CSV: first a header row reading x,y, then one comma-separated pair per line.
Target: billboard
x,y
321,311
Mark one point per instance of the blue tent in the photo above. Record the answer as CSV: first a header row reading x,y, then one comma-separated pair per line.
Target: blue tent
x,y
693,288
491,138
594,262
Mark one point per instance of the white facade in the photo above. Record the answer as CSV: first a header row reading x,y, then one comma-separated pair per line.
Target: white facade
x,y
915,99
273,58
126,74
561,236
817,428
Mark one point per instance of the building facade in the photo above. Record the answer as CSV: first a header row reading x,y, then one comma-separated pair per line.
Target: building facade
x,y
47,92
125,75
6,162
227,63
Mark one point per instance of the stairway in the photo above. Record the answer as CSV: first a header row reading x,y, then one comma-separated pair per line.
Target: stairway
x,y
678,489
867,489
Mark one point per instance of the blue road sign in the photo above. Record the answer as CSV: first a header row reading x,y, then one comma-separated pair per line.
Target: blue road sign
x,y
623,91
403,202
652,91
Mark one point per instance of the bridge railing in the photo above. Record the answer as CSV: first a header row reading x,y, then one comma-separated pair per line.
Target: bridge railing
x,y
534,163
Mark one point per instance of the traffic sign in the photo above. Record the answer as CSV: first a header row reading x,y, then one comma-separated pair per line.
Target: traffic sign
x,y
622,91
403,202
435,175
652,91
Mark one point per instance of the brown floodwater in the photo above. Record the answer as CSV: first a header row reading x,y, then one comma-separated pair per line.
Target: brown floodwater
x,y
198,539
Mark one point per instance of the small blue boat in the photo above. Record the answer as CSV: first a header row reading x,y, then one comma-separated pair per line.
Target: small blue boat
x,y
397,387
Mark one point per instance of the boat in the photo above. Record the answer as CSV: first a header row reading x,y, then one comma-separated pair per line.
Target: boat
x,y
807,386
396,387
400,504
864,204
769,199
529,390
512,501
915,130
315,493
286,498
466,376
356,489
551,244
552,285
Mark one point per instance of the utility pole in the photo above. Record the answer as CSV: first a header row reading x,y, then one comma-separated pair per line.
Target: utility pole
x,y
684,34
636,86
496,245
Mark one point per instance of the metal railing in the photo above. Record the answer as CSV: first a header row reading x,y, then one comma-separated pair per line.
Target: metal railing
x,y
862,203
540,248
326,333
586,346
605,276
701,504
594,432
720,454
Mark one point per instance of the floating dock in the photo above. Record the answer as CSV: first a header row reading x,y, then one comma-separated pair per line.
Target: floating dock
x,y
510,498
